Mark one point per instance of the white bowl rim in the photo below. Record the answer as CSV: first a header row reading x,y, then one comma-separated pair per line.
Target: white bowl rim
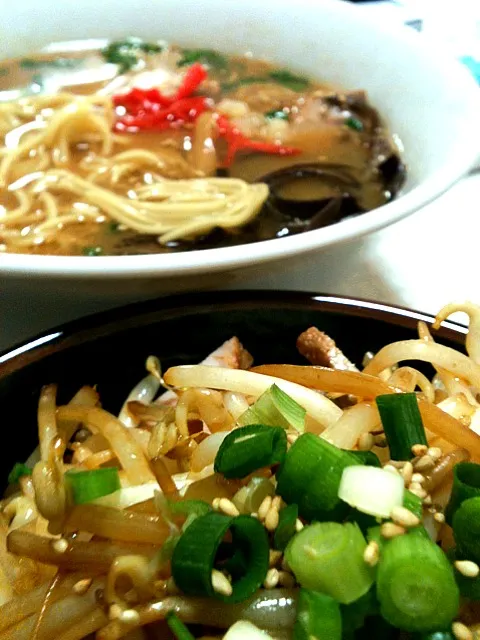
x,y
228,258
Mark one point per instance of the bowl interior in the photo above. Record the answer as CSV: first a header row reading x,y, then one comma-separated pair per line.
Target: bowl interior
x,y
109,350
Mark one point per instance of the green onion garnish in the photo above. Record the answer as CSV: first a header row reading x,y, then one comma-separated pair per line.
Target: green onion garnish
x,y
416,585
466,484
328,557
466,529
92,251
402,423
286,527
276,114
19,470
367,457
196,552
113,227
86,486
318,616
413,503
354,614
206,56
288,79
354,123
177,627
126,52
275,408
247,449
54,63
437,635
189,507
249,498
310,477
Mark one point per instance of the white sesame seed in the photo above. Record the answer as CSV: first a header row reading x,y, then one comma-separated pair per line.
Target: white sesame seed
x,y
427,500
60,545
420,493
419,449
274,557
277,503
439,517
264,508
391,530
129,615
216,504
418,478
272,518
415,486
425,463
407,473
228,507
221,584
298,525
435,453
286,579
404,517
461,631
391,469
82,586
371,553
365,442
271,579
467,568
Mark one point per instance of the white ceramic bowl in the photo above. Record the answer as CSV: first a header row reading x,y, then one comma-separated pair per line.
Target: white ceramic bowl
x,y
427,99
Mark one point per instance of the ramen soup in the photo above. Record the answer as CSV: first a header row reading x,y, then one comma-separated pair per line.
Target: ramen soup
x,y
148,148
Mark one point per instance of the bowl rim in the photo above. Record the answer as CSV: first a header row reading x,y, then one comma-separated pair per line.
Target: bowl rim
x,y
95,326
466,152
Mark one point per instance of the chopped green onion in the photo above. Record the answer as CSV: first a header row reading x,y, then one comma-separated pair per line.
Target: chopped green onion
x,y
286,527
165,553
177,627
277,114
195,555
125,53
413,503
402,423
113,227
92,251
466,528
86,486
288,79
247,449
249,498
354,614
466,484
275,408
318,616
310,477
437,635
416,585
367,457
54,63
205,56
19,470
371,490
328,557
189,507
354,123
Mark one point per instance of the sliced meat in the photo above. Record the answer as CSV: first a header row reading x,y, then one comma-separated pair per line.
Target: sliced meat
x,y
319,349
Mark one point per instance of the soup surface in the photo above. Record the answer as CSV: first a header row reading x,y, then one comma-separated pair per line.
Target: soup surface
x,y
146,148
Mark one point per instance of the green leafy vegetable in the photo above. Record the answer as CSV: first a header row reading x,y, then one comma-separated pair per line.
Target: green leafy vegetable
x,y
247,449
19,470
126,52
86,486
209,57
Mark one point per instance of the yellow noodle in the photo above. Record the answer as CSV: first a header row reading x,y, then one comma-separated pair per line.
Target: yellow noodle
x,y
408,379
472,341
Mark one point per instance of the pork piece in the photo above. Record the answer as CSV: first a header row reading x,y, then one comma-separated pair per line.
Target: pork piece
x,y
319,349
230,355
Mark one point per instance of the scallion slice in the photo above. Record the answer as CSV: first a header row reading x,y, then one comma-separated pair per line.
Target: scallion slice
x,y
310,477
177,627
466,484
19,469
318,616
466,529
189,507
402,423
413,503
247,449
249,498
328,557
275,408
286,527
195,555
367,457
354,614
86,486
416,585
371,490
437,635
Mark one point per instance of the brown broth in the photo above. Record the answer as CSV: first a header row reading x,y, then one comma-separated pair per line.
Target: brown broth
x,y
318,124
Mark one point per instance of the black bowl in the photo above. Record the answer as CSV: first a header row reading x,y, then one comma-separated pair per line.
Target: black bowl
x,y
109,349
